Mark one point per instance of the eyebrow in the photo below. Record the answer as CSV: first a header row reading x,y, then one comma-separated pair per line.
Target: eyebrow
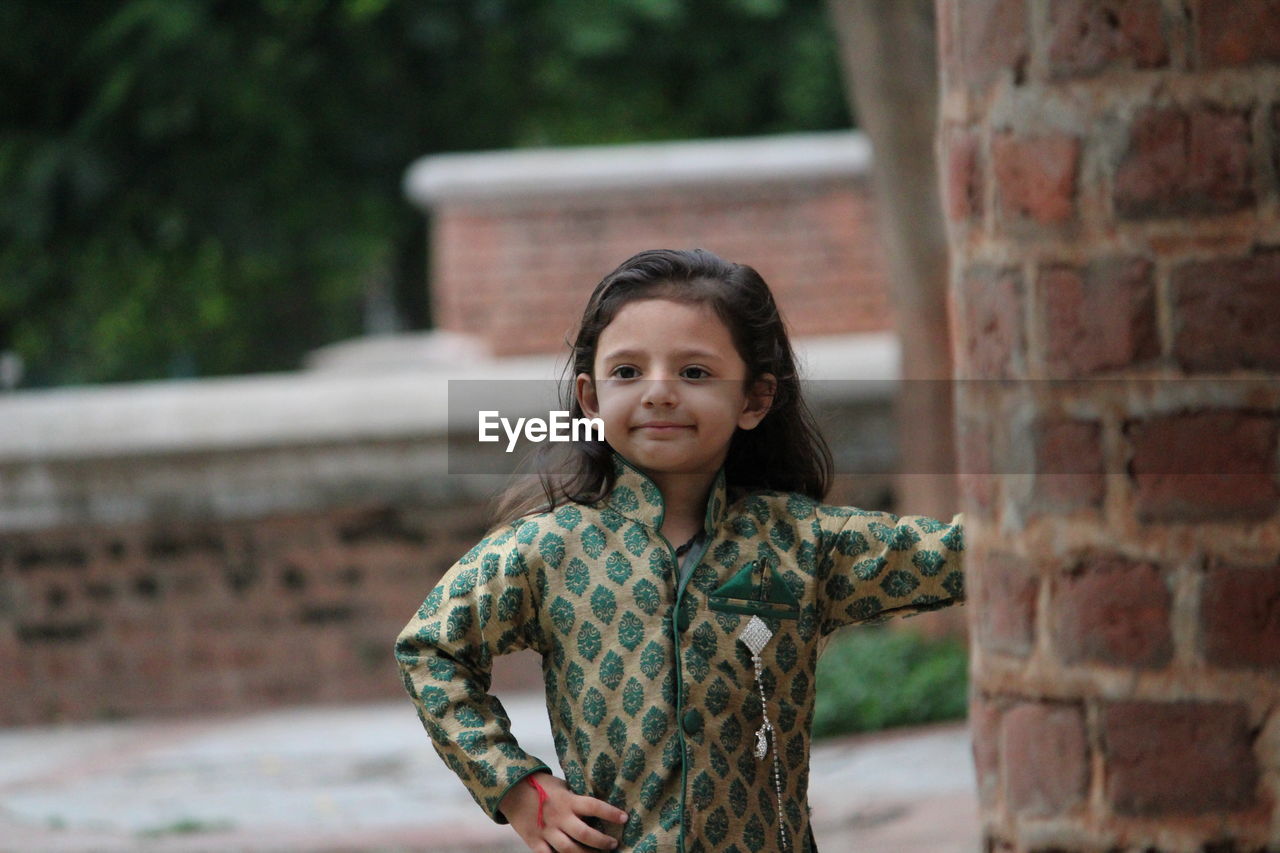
x,y
684,353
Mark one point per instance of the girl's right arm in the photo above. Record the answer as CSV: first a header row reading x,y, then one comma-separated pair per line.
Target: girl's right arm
x,y
485,605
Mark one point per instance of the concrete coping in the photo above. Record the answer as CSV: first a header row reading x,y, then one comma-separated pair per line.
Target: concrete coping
x,y
537,171
355,391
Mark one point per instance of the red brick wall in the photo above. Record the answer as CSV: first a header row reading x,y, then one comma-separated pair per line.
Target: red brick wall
x,y
1113,196
198,610
194,617
517,272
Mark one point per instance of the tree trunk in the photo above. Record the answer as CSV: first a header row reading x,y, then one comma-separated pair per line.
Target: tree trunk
x,y
889,53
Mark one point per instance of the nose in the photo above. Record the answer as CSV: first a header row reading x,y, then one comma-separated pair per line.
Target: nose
x,y
659,392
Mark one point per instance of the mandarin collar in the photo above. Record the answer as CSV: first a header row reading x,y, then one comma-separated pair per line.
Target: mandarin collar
x,y
637,497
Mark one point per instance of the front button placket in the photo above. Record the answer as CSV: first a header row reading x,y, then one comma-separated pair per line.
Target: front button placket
x,y
690,721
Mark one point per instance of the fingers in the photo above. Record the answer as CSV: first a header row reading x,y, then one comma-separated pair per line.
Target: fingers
x,y
587,835
559,841
562,843
566,831
571,834
599,808
585,807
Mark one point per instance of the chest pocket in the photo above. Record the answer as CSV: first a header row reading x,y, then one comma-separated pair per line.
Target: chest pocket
x,y
755,590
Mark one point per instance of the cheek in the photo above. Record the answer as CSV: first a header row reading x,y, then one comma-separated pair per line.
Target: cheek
x,y
614,408
721,408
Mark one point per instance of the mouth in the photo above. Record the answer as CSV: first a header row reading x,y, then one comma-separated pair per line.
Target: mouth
x,y
662,426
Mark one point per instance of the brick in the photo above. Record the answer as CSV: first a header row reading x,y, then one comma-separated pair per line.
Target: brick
x,y
1177,758
1240,616
984,726
1035,177
1044,758
1275,146
994,346
1068,466
145,656
1007,594
963,176
1098,318
948,43
1114,611
978,481
993,40
515,275
1087,36
1241,32
1204,465
1225,313
1185,162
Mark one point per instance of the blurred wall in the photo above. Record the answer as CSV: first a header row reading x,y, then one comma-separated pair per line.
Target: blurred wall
x,y
519,238
180,547
230,544
206,545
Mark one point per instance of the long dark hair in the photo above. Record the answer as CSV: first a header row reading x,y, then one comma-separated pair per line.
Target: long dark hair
x,y
785,451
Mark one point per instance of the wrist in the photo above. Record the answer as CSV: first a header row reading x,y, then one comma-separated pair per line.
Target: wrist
x,y
542,797
518,795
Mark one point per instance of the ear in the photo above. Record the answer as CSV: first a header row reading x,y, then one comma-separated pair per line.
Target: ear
x,y
585,390
759,400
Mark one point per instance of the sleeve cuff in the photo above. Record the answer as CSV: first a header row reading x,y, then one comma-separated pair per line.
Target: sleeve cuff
x,y
496,814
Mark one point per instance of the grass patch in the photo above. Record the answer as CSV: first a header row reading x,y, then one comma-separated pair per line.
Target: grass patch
x,y
871,678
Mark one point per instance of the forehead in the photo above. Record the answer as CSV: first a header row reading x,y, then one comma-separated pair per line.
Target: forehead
x,y
666,327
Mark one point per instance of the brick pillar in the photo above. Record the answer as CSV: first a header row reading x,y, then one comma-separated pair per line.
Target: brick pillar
x,y
1110,172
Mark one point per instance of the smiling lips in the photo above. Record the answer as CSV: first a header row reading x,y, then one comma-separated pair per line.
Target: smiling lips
x,y
663,426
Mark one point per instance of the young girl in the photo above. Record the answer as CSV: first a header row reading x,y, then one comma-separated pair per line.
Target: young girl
x,y
677,579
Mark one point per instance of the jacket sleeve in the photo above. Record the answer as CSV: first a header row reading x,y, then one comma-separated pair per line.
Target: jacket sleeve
x,y
877,565
483,606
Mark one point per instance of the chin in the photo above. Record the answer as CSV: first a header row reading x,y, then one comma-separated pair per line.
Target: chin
x,y
660,464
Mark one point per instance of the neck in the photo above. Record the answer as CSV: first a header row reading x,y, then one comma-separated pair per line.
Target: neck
x,y
684,497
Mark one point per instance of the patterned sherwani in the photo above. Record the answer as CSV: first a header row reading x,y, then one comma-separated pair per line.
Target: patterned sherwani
x,y
653,687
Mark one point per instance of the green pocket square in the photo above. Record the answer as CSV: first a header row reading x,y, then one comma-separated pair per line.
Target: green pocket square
x,y
756,590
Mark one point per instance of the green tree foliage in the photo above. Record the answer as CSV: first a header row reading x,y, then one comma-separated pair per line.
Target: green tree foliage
x,y
206,187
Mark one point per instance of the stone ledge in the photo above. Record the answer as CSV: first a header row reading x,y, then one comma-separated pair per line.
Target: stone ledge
x,y
350,399
570,170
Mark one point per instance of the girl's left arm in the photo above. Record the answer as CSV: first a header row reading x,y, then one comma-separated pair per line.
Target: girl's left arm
x,y
877,565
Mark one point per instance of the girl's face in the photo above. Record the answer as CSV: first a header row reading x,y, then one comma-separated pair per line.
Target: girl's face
x,y
668,384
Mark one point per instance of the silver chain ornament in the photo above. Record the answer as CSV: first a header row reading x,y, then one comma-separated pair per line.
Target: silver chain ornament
x,y
755,636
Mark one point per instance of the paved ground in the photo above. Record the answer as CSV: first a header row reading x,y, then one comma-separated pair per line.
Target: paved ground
x,y
365,778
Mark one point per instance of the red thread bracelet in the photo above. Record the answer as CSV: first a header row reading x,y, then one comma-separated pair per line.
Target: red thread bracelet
x,y
542,798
